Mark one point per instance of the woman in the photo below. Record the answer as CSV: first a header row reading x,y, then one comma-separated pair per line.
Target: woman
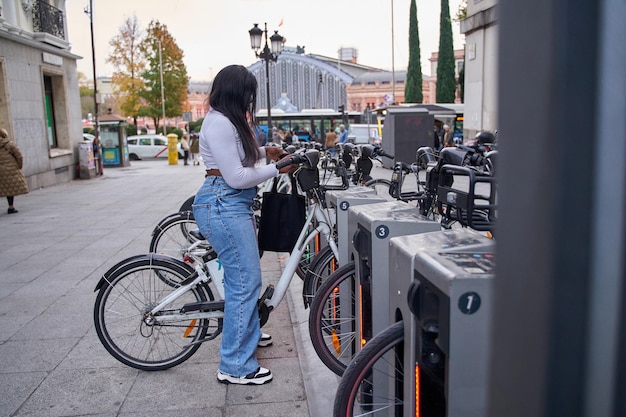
x,y
223,213
184,144
12,181
194,149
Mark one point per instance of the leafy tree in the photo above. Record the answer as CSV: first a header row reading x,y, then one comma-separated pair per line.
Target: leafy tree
x,y
446,82
129,65
174,73
87,104
413,89
195,126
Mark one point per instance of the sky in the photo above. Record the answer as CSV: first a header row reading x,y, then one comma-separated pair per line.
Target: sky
x,y
214,33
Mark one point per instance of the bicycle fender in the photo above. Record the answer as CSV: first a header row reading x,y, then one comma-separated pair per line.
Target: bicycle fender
x,y
144,257
165,221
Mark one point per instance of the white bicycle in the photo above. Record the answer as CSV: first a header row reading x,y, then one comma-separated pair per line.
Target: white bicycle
x,y
153,311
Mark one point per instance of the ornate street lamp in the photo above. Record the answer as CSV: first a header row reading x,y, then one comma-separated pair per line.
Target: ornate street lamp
x,y
266,54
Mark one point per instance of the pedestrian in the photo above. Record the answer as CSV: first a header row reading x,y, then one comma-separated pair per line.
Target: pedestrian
x,y
184,143
223,213
194,148
331,142
448,136
289,137
437,130
12,181
261,137
97,155
343,134
277,136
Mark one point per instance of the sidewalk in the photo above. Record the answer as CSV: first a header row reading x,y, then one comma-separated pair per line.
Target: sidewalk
x,y
52,254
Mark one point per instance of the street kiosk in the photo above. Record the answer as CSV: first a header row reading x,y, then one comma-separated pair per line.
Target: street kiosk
x,y
113,140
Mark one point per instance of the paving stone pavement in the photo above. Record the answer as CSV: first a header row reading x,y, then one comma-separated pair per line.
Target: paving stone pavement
x,y
52,254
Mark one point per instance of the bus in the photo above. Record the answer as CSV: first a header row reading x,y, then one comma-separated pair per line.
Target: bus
x,y
308,124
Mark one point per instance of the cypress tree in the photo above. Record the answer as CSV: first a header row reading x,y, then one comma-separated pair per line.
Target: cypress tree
x,y
413,88
446,83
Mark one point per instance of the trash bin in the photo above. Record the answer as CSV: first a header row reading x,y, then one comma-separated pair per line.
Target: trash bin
x,y
172,148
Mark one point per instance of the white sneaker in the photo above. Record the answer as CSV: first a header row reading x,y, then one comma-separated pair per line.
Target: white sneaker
x,y
265,341
259,377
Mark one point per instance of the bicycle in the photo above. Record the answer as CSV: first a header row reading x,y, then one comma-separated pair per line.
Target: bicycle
x,y
332,317
153,311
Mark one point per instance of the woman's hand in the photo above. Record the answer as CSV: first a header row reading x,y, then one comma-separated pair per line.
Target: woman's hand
x,y
275,152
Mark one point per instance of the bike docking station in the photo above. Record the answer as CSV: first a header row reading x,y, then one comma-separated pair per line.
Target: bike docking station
x,y
341,201
376,224
441,288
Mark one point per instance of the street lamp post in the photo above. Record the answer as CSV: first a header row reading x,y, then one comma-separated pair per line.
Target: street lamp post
x,y
267,55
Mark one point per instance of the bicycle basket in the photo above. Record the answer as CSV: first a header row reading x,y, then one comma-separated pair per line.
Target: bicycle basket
x,y
308,178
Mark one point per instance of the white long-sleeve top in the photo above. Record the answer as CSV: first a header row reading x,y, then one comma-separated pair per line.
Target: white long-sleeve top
x,y
221,148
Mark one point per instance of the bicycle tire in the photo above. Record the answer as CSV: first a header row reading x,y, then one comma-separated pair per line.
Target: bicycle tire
x,y
332,326
380,360
322,266
127,292
381,186
172,235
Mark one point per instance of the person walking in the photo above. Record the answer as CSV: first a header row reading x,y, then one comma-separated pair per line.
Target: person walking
x,y
184,144
194,149
331,142
12,181
223,212
448,136
343,134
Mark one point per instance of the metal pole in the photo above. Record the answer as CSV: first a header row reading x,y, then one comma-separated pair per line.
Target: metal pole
x,y
267,55
393,64
162,91
95,84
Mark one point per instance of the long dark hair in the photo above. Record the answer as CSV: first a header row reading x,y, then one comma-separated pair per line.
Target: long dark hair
x,y
234,95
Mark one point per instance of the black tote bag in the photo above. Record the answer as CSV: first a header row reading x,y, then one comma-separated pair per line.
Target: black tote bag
x,y
282,218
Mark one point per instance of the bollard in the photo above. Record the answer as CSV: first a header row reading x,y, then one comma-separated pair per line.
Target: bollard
x,y
172,149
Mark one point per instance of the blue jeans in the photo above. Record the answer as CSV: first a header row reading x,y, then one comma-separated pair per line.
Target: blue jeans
x,y
224,216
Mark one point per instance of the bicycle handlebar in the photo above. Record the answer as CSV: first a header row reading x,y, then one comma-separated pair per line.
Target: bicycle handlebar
x,y
310,158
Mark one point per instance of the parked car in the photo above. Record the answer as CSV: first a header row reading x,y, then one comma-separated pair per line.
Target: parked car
x,y
149,146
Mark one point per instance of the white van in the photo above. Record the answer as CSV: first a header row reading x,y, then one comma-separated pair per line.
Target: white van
x,y
358,133
149,146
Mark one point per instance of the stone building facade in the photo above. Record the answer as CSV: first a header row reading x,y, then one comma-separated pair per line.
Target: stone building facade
x,y
39,97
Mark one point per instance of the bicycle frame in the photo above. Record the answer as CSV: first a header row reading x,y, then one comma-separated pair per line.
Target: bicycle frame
x,y
216,273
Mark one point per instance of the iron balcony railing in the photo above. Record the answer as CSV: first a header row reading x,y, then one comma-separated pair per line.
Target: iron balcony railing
x,y
48,19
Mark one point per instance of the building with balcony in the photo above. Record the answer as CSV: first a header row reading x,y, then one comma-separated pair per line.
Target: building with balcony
x,y
39,97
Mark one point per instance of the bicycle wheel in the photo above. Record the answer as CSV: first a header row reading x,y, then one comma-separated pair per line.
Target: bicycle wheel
x,y
322,266
381,186
332,319
172,235
136,338
372,384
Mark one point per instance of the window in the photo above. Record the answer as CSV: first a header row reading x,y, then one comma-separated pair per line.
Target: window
x,y
50,122
145,142
159,142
